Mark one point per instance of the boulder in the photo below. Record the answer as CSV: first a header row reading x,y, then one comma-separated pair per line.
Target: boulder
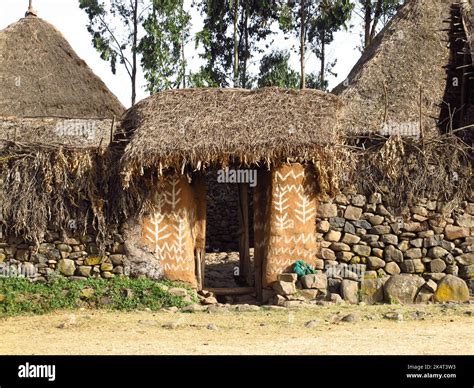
x,y
371,290
66,267
402,288
452,289
314,281
350,291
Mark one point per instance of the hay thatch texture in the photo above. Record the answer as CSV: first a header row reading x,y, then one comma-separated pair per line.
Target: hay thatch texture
x,y
52,187
406,170
41,75
406,58
77,133
200,127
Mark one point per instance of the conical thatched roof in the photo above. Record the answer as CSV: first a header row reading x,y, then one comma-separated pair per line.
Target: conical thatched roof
x,y
407,58
42,76
199,127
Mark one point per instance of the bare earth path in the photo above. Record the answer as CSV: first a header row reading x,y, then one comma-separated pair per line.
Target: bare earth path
x,y
424,330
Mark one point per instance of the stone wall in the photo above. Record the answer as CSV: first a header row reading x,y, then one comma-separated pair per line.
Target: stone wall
x,y
76,258
372,253
222,232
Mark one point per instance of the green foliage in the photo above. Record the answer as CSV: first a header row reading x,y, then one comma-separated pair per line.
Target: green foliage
x,y
116,45
275,71
253,25
374,14
162,48
23,296
332,16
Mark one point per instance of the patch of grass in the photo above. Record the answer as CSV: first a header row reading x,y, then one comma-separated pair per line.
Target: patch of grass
x,y
20,296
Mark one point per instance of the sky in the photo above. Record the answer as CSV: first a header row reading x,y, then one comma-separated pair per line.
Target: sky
x,y
66,16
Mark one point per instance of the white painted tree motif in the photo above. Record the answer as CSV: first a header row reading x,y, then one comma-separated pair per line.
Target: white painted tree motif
x,y
281,207
156,232
306,211
173,196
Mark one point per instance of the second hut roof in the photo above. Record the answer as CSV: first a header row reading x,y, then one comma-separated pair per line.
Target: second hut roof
x,y
199,127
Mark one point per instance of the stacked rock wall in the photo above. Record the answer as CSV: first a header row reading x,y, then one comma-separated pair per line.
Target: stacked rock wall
x,y
371,252
76,258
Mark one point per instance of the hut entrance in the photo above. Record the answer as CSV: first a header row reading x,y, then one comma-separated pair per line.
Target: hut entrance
x,y
229,232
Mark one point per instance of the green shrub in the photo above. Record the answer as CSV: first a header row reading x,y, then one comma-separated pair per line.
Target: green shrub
x,y
20,296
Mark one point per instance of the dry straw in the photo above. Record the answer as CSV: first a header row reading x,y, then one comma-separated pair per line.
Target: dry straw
x,y
199,128
408,57
41,75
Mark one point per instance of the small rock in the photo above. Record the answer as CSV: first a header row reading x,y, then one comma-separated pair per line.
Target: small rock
x,y
351,318
455,232
314,281
431,286
66,267
393,254
284,288
327,210
362,250
353,213
437,266
392,268
176,291
375,263
311,324
437,252
333,236
211,326
394,316
350,239
287,277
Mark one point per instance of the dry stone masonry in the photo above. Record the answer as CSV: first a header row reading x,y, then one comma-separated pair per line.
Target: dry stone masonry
x,y
371,253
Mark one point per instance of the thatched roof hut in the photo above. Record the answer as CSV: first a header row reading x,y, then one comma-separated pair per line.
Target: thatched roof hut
x,y
56,121
42,76
202,127
400,80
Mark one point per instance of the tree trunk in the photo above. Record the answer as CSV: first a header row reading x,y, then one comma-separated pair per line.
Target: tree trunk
x,y
323,60
302,44
246,49
183,60
236,43
134,52
367,22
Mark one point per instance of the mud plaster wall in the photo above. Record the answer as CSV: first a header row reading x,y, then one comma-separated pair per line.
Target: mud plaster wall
x,y
285,220
169,232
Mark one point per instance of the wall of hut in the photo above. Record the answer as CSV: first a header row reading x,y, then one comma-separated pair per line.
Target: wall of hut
x,y
366,251
370,252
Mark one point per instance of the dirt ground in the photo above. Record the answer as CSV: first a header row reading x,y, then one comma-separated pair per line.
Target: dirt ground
x,y
427,330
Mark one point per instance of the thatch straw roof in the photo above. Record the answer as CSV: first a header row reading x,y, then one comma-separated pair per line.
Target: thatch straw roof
x,y
408,57
199,127
41,75
52,132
